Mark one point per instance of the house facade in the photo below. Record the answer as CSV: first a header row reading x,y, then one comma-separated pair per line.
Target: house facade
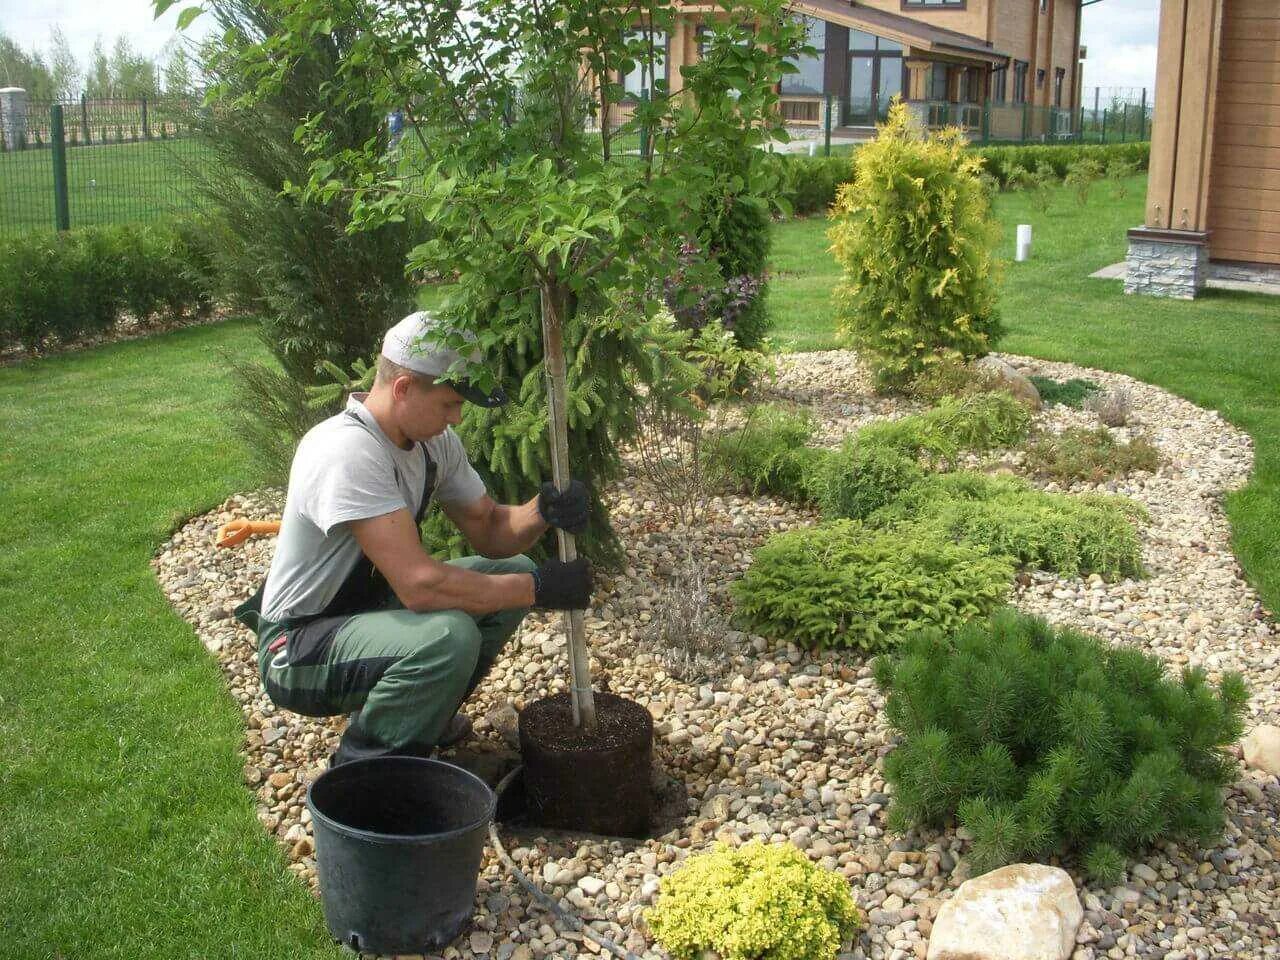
x,y
1213,191
948,57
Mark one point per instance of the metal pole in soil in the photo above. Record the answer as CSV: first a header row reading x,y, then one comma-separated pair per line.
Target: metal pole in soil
x,y
84,119
61,204
826,124
580,693
1143,117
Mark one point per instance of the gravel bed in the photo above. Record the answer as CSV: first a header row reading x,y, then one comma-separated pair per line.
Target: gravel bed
x,y
786,745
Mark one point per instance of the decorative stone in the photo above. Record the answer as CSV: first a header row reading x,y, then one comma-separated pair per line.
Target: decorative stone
x,y
1262,749
1018,385
1026,911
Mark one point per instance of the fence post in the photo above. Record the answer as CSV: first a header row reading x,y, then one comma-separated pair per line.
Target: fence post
x,y
1026,120
146,130
84,119
1144,114
1124,123
986,120
1104,124
61,204
826,125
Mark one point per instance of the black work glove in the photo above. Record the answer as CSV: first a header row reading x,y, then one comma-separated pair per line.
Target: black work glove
x,y
563,586
566,509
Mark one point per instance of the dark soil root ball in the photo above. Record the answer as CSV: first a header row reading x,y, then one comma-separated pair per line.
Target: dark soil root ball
x,y
596,783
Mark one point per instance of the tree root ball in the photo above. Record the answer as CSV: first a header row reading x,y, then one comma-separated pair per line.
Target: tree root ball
x,y
596,782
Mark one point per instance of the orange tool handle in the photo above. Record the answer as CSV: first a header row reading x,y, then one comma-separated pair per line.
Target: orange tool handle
x,y
238,531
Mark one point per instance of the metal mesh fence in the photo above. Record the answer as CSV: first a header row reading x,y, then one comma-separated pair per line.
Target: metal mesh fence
x,y
124,160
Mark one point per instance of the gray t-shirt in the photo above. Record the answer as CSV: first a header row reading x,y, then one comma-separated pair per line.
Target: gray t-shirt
x,y
347,469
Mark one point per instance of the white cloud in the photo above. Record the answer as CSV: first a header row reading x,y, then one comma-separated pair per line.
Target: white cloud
x,y
83,21
1121,38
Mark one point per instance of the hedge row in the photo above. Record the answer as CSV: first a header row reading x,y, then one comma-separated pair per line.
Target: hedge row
x,y
61,287
811,182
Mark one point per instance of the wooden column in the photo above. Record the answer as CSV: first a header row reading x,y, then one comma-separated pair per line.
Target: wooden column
x,y
917,79
679,53
1182,132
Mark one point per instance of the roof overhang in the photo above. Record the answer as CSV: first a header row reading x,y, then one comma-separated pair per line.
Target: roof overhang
x,y
921,38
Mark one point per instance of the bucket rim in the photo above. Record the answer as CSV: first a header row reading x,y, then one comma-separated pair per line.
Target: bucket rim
x,y
491,804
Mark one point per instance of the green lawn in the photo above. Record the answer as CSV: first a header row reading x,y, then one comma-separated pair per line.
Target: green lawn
x,y
126,831
109,183
1221,351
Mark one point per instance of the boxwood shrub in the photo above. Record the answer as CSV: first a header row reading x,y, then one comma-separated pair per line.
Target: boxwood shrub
x,y
60,287
843,584
1046,741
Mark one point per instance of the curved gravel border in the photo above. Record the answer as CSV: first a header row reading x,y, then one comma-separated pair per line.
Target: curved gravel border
x,y
787,745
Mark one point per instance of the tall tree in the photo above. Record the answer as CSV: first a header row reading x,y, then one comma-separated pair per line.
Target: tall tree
x,y
98,83
177,73
64,69
19,68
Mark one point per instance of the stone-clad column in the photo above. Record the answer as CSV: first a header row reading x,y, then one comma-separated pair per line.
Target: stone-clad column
x,y
13,117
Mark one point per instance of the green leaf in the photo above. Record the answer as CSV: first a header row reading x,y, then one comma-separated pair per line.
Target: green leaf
x,y
187,16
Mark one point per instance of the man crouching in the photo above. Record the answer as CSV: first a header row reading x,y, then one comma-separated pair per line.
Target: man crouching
x,y
355,616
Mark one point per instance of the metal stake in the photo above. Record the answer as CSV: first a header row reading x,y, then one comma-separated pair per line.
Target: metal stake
x,y
580,692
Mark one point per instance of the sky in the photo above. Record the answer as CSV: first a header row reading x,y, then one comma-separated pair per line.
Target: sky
x,y
1120,34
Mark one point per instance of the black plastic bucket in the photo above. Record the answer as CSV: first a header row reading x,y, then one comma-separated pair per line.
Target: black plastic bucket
x,y
398,848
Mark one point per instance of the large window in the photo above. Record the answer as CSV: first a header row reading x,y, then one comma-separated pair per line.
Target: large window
x,y
1020,68
875,77
810,79
999,84
640,78
936,84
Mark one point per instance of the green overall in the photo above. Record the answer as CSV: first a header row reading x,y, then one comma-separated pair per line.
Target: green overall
x,y
405,673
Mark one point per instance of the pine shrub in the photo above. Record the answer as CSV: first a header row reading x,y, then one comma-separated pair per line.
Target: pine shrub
x,y
843,584
768,454
1045,741
1090,455
914,238
755,902
1073,535
953,378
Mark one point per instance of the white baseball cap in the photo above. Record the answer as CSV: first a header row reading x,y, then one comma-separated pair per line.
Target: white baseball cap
x,y
413,343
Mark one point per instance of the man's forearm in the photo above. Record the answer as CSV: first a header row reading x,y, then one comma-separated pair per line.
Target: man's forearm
x,y
443,586
514,529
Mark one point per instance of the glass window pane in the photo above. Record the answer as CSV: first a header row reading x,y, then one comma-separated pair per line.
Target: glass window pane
x,y
890,83
889,45
861,74
641,78
858,40
809,81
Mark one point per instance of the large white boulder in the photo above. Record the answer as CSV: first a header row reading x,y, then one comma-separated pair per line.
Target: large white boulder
x,y
1262,749
1026,911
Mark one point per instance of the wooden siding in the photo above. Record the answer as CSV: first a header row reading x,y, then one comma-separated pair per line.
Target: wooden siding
x,y
1244,191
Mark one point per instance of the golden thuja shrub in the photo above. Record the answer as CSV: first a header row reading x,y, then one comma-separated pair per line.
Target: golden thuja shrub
x,y
913,235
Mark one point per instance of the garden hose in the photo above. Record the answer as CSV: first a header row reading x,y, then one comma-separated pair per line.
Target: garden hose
x,y
565,916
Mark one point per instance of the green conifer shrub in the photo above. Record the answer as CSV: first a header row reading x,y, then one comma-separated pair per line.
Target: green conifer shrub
x,y
843,584
1071,534
952,378
977,422
1045,741
914,238
1071,393
767,454
756,902
860,478
1093,455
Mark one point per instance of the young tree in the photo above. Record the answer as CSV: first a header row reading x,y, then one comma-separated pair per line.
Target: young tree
x,y
98,83
64,70
557,226
177,73
27,70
